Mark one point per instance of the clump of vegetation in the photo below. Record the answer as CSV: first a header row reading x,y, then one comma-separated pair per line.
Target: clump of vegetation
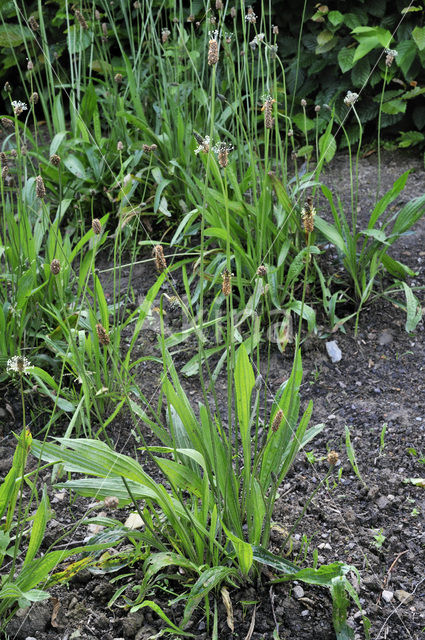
x,y
187,133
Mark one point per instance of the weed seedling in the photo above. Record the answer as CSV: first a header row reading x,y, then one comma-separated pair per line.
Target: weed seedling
x,y
382,438
379,538
352,456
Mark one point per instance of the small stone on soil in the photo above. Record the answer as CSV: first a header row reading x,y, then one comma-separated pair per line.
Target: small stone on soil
x,y
334,352
382,502
298,592
403,596
387,596
385,337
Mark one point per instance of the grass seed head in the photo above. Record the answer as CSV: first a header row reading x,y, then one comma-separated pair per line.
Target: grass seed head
x,y
233,12
55,160
4,172
7,87
262,271
118,78
34,98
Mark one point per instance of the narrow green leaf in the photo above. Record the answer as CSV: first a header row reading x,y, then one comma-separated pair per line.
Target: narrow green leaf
x,y
244,384
209,579
38,528
413,309
243,551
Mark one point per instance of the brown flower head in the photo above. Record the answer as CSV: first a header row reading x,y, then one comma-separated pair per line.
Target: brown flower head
x,y
33,23
103,335
81,19
55,266
262,271
55,160
213,49
34,98
277,420
222,150
250,16
158,254
96,225
118,78
112,502
268,112
149,148
391,54
307,214
40,189
226,286
333,458
204,143
7,124
165,34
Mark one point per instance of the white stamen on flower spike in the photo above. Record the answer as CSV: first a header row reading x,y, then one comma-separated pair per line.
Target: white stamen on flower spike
x,y
18,364
351,98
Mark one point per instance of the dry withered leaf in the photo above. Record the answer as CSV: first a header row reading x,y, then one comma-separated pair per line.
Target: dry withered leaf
x,y
228,604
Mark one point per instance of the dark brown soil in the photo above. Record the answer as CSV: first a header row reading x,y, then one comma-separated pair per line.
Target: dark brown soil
x,y
375,523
